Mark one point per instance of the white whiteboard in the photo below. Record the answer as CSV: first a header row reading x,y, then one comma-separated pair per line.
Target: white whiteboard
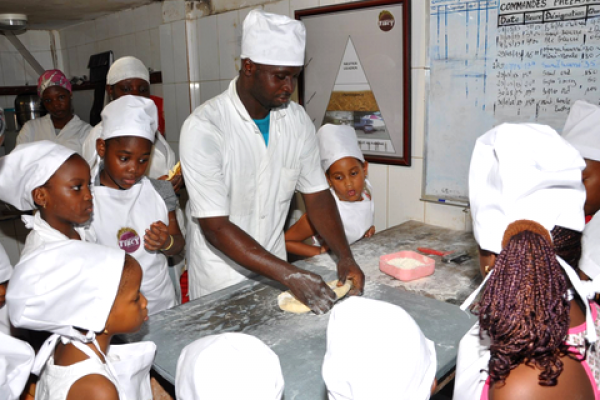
x,y
495,61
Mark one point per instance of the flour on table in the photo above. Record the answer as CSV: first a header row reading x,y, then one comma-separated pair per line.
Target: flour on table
x,y
405,263
287,301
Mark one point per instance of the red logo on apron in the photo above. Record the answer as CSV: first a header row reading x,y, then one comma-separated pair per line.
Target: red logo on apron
x,y
128,240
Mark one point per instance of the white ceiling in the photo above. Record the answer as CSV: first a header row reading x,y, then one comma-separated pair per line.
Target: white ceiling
x,y
57,14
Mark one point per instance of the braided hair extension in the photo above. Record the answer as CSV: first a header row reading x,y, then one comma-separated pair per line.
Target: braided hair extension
x,y
567,245
522,307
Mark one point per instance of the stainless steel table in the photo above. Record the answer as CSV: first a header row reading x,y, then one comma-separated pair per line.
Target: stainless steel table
x,y
300,340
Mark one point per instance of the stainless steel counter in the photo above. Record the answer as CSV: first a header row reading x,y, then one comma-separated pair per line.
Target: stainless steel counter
x,y
299,340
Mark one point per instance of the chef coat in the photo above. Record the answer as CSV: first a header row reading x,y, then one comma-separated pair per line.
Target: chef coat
x,y
231,172
5,274
72,135
16,359
472,363
162,159
42,232
120,219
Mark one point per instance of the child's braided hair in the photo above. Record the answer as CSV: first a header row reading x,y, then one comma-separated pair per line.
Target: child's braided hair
x,y
523,308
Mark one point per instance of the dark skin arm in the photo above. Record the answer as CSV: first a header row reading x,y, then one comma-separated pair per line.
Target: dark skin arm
x,y
158,236
93,387
306,286
297,234
324,216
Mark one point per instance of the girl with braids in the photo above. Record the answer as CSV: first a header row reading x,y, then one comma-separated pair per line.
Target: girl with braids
x,y
532,339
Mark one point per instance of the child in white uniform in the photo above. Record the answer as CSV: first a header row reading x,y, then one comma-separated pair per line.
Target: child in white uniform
x,y
346,171
84,293
131,211
55,180
527,200
384,356
205,369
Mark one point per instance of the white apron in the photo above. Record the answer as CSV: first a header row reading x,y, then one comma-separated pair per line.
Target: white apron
x,y
471,365
120,219
127,365
357,216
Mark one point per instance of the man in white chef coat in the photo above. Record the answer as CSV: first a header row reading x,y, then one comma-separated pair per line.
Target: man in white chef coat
x,y
243,154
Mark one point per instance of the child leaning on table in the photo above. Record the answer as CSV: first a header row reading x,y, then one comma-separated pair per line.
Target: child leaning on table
x,y
346,171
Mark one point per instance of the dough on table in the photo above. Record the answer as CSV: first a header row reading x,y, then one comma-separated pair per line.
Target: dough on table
x,y
287,301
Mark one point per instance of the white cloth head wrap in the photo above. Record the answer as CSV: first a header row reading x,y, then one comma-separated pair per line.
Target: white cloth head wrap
x,y
582,129
524,171
130,116
337,142
27,167
63,285
375,350
16,360
229,366
273,39
127,68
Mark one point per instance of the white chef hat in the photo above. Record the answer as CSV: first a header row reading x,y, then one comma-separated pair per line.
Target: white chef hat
x,y
206,367
27,167
524,171
590,248
65,285
582,129
16,360
337,142
375,350
130,116
127,67
273,39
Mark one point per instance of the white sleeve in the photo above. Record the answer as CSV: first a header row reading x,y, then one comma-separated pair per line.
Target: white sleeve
x,y
5,266
26,133
88,149
201,156
312,178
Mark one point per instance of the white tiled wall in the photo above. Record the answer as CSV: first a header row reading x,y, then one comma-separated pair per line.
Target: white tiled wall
x,y
132,32
14,71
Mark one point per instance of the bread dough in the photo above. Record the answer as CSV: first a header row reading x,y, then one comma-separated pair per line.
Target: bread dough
x,y
287,301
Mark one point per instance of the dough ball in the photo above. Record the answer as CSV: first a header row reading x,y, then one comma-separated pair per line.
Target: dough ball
x,y
287,301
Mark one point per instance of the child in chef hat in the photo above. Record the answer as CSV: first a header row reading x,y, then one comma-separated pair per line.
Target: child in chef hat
x,y
55,180
205,369
131,211
84,294
385,356
527,200
346,171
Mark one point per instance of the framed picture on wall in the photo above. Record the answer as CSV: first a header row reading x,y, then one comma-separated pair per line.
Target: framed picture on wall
x,y
357,72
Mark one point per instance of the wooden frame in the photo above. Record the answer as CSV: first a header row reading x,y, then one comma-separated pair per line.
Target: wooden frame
x,y
357,72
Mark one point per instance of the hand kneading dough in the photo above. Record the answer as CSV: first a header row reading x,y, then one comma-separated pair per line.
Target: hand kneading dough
x,y
287,301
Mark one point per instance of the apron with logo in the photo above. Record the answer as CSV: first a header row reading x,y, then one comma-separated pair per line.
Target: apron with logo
x,y
120,219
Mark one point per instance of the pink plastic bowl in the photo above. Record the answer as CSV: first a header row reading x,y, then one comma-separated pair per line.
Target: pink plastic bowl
x,y
427,268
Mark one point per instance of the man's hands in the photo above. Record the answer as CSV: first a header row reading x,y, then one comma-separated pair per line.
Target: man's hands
x,y
348,269
311,290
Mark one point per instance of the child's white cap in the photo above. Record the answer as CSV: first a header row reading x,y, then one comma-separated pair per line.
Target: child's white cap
x,y
375,350
337,142
27,167
127,67
16,360
273,39
65,284
229,366
590,248
582,129
130,116
524,171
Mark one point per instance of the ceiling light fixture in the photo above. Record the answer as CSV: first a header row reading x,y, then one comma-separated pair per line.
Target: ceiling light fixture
x,y
13,22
